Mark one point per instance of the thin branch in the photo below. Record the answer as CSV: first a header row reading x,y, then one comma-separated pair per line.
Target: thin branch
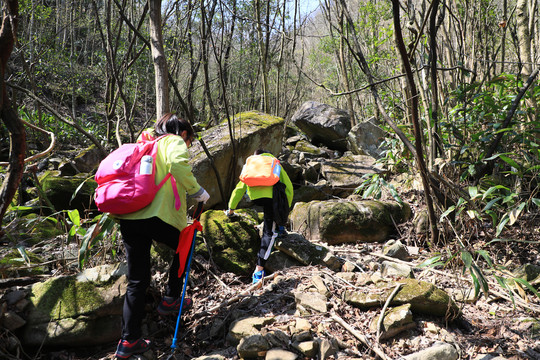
x,y
381,317
363,339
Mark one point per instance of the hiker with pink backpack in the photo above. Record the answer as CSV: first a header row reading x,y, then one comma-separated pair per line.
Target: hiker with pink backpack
x,y
160,215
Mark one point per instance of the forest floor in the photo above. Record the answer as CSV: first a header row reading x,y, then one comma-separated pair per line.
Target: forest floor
x,y
494,325
491,326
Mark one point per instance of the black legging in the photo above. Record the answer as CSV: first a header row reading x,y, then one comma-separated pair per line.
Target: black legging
x,y
268,237
138,236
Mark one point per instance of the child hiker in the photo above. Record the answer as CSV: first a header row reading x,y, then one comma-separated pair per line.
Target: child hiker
x,y
266,197
161,222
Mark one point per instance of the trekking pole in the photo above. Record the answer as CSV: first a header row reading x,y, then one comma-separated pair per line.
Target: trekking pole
x,y
197,215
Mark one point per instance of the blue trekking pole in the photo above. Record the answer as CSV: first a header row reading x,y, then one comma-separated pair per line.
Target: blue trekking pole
x,y
198,212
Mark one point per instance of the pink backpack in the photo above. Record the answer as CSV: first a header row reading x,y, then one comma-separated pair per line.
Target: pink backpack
x,y
126,183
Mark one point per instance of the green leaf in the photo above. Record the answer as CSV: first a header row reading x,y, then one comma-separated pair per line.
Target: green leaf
x,y
431,262
502,224
448,211
514,214
75,217
467,258
527,285
486,256
536,201
473,191
24,254
490,204
510,162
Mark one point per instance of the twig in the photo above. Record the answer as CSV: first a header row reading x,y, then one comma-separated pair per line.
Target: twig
x,y
381,317
363,339
242,294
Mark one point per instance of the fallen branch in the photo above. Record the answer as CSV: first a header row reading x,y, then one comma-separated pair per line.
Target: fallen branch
x,y
241,295
381,317
363,339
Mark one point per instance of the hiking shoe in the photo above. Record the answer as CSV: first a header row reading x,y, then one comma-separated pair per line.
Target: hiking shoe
x,y
257,276
168,307
125,348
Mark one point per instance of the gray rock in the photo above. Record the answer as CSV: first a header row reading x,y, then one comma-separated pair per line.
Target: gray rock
x,y
347,172
280,354
326,349
65,311
425,298
312,301
252,346
307,253
439,351
11,321
246,327
396,320
395,249
392,269
339,221
323,124
253,130
366,138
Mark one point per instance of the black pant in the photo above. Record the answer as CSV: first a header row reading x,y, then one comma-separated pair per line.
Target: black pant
x,y
269,231
138,236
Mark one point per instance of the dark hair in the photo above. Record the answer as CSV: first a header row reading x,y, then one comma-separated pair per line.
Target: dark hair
x,y
172,124
261,151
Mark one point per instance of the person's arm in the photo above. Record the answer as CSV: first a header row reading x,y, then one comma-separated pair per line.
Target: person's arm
x,y
177,155
284,178
237,194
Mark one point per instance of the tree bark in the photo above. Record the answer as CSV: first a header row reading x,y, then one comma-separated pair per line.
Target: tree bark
x,y
160,61
416,123
8,113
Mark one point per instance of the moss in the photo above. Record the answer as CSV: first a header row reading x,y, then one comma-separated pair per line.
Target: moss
x,y
306,147
38,228
13,260
65,297
233,242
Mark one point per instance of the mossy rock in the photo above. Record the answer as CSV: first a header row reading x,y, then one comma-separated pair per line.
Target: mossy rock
x,y
234,242
425,298
66,297
348,221
66,193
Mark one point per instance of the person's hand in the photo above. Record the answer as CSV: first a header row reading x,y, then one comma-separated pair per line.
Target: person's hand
x,y
203,197
229,212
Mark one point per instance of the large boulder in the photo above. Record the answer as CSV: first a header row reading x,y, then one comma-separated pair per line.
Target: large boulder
x,y
366,138
78,310
323,124
339,221
346,173
252,130
232,242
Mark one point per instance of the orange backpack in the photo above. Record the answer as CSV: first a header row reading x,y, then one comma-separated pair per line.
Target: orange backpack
x,y
260,170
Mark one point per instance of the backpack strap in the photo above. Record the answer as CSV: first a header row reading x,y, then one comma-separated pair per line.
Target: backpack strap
x,y
177,201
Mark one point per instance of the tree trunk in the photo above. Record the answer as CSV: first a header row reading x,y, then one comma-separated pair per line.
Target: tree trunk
x,y
8,113
524,38
159,59
262,55
416,123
